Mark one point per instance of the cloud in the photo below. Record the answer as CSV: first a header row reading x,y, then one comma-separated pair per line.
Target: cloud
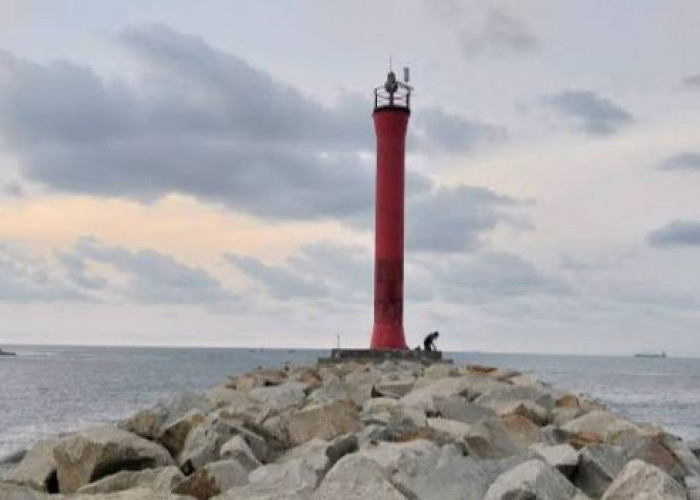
x,y
487,276
201,122
438,131
279,282
691,82
592,114
27,280
13,190
677,233
500,34
453,219
151,277
682,161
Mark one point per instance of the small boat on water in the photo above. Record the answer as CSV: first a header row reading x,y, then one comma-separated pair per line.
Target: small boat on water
x,y
7,353
661,354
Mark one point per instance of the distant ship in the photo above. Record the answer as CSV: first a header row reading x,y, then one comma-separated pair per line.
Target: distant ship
x,y
661,354
7,353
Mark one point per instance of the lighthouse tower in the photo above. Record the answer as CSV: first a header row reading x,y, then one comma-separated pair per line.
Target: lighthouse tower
x,y
391,113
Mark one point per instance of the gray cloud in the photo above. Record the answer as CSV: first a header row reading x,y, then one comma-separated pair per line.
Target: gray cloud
x,y
152,277
453,219
486,276
205,123
438,131
678,233
591,113
13,190
682,161
77,272
691,82
25,280
500,34
278,281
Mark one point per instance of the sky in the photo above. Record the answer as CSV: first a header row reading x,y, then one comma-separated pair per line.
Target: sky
x,y
202,174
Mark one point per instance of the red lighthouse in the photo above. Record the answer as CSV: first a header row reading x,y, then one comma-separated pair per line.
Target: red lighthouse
x,y
391,113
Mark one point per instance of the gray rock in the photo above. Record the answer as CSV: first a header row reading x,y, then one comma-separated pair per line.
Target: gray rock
x,y
160,479
377,410
295,475
133,494
533,479
394,385
501,437
598,466
356,477
692,484
404,421
652,450
439,370
470,385
236,448
502,393
528,409
10,491
562,457
682,451
453,430
326,421
282,397
213,479
262,492
95,453
602,423
458,408
11,461
398,456
694,445
37,469
174,434
329,393
640,480
258,378
443,474
359,385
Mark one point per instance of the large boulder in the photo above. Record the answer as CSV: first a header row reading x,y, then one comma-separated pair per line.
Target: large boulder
x,y
493,397
562,457
11,491
643,481
93,454
394,385
377,410
398,456
164,479
602,423
598,466
263,492
441,474
37,469
528,409
213,479
470,385
452,430
258,378
281,397
325,421
533,479
173,435
148,423
405,422
458,408
501,437
356,477
330,393
652,450
237,448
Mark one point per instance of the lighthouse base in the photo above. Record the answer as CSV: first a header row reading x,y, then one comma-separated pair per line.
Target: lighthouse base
x,y
380,355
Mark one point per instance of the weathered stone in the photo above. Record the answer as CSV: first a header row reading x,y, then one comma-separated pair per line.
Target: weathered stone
x,y
11,461
470,385
602,423
439,370
213,479
498,438
90,455
356,477
341,446
10,491
394,385
568,401
138,493
403,421
682,452
329,393
159,479
281,397
502,393
455,430
652,451
145,423
259,378
398,456
310,377
359,384
38,467
263,492
562,457
526,380
295,475
503,374
458,408
533,479
377,410
532,411
560,416
173,435
598,466
580,440
224,396
641,480
237,448
325,421
149,423
442,474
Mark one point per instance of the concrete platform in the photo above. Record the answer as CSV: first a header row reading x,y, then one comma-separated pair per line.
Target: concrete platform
x,y
378,356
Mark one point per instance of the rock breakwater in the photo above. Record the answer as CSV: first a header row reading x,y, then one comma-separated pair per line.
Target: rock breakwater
x,y
395,430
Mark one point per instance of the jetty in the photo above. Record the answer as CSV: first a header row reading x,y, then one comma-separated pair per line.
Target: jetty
x,y
391,429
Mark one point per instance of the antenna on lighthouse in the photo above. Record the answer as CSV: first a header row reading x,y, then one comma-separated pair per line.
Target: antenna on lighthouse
x,y
406,74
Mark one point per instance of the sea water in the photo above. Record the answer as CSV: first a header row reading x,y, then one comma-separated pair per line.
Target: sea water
x,y
45,390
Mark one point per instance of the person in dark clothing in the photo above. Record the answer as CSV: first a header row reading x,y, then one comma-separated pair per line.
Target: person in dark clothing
x,y
429,342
